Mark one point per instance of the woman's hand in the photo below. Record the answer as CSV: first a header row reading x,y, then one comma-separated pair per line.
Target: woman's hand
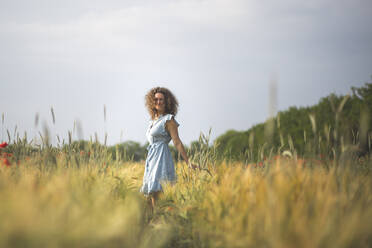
x,y
192,166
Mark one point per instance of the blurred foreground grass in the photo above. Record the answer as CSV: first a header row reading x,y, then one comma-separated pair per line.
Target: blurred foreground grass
x,y
282,203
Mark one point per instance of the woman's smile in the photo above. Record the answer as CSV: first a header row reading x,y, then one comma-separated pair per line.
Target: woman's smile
x,y
159,102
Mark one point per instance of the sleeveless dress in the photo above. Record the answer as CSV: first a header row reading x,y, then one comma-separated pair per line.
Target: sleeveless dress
x,y
159,166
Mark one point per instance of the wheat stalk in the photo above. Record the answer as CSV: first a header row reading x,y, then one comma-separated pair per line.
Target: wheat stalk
x,y
53,116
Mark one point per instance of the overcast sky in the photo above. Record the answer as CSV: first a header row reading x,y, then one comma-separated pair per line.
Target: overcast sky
x,y
217,56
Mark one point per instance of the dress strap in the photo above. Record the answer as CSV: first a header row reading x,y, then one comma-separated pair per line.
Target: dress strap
x,y
169,117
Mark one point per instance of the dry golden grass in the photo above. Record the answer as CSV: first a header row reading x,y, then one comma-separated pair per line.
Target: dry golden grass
x,y
281,204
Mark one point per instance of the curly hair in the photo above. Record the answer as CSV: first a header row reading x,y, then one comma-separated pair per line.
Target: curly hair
x,y
171,103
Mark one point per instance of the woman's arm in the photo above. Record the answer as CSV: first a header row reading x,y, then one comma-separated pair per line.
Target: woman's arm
x,y
172,128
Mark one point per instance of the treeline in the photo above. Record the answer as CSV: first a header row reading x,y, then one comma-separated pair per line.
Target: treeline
x,y
126,151
338,123
335,125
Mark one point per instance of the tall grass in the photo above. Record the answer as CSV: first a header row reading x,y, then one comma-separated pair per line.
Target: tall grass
x,y
283,203
75,207
77,195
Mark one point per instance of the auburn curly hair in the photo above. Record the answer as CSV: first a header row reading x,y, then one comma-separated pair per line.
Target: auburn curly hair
x,y
171,103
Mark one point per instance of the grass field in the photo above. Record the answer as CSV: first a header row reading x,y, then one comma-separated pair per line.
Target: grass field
x,y
56,198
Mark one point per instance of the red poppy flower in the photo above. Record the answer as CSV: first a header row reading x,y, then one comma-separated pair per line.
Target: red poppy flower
x,y
3,145
7,154
6,162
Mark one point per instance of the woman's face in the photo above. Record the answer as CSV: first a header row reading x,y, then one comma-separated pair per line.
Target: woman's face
x,y
159,103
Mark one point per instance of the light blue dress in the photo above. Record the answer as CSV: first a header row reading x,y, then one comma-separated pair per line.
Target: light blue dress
x,y
159,165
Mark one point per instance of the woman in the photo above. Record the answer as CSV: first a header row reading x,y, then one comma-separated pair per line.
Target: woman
x,y
162,106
